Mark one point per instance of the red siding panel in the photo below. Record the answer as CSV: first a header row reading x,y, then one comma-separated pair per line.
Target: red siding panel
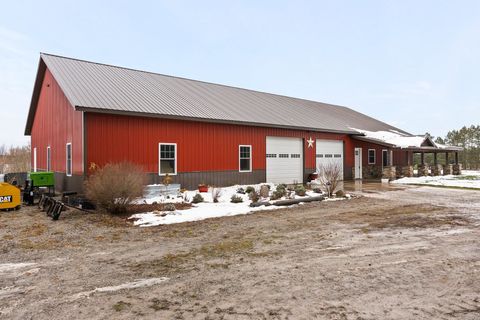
x,y
201,146
56,123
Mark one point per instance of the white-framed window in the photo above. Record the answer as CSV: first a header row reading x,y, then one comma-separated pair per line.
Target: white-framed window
x,y
244,158
167,154
68,156
35,159
49,159
371,156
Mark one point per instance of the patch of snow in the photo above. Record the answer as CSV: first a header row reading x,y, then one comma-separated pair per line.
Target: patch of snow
x,y
393,137
207,209
129,285
8,292
200,211
447,181
6,267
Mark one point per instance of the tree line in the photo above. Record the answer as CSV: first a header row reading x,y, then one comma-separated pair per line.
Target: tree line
x,y
469,139
14,159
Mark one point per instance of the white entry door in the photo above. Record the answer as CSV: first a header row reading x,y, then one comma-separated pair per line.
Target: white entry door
x,y
329,152
284,160
358,163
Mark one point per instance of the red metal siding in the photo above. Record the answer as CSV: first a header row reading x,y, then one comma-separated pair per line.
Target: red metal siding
x,y
399,156
56,124
200,146
402,157
365,146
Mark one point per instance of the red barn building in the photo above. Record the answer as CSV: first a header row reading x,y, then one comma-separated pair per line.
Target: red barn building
x,y
85,113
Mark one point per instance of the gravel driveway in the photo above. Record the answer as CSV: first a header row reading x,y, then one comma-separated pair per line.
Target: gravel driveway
x,y
402,253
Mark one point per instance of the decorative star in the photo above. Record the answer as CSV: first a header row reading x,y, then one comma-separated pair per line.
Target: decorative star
x,y
310,142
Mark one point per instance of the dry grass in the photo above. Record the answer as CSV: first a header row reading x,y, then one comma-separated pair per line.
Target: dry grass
x,y
108,220
160,304
178,262
144,207
121,305
408,216
45,244
34,230
224,248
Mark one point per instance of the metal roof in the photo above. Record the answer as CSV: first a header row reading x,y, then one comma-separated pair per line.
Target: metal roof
x,y
421,148
104,88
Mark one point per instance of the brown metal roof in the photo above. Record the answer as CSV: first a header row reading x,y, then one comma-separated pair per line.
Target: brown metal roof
x,y
104,88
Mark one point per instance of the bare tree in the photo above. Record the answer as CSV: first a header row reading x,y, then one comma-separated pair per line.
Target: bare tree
x,y
329,176
19,159
3,157
15,159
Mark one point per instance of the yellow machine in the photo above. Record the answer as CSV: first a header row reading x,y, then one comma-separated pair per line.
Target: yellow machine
x,y
9,196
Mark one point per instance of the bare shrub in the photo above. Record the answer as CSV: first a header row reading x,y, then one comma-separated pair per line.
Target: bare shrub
x,y
254,195
216,193
329,177
115,186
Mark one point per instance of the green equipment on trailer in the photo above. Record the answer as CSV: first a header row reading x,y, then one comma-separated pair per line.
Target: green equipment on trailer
x,y
42,179
35,182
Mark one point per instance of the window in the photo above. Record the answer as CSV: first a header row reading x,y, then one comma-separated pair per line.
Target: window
x,y
283,155
319,155
385,158
337,155
69,160
168,158
329,156
295,155
245,158
371,156
49,159
271,155
34,159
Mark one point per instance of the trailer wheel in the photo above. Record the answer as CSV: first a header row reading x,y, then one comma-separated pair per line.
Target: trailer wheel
x,y
56,215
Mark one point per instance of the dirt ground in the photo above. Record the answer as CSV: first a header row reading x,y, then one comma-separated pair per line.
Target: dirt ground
x,y
403,253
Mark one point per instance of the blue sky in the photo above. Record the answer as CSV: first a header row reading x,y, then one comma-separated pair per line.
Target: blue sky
x,y
413,64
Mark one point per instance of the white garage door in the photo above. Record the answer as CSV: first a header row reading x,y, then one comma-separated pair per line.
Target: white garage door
x,y
284,160
329,152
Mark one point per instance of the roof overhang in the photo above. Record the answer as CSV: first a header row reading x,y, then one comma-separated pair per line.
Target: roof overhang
x,y
428,145
434,149
374,141
42,67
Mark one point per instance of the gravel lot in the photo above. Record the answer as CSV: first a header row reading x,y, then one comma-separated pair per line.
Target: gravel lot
x,y
400,253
